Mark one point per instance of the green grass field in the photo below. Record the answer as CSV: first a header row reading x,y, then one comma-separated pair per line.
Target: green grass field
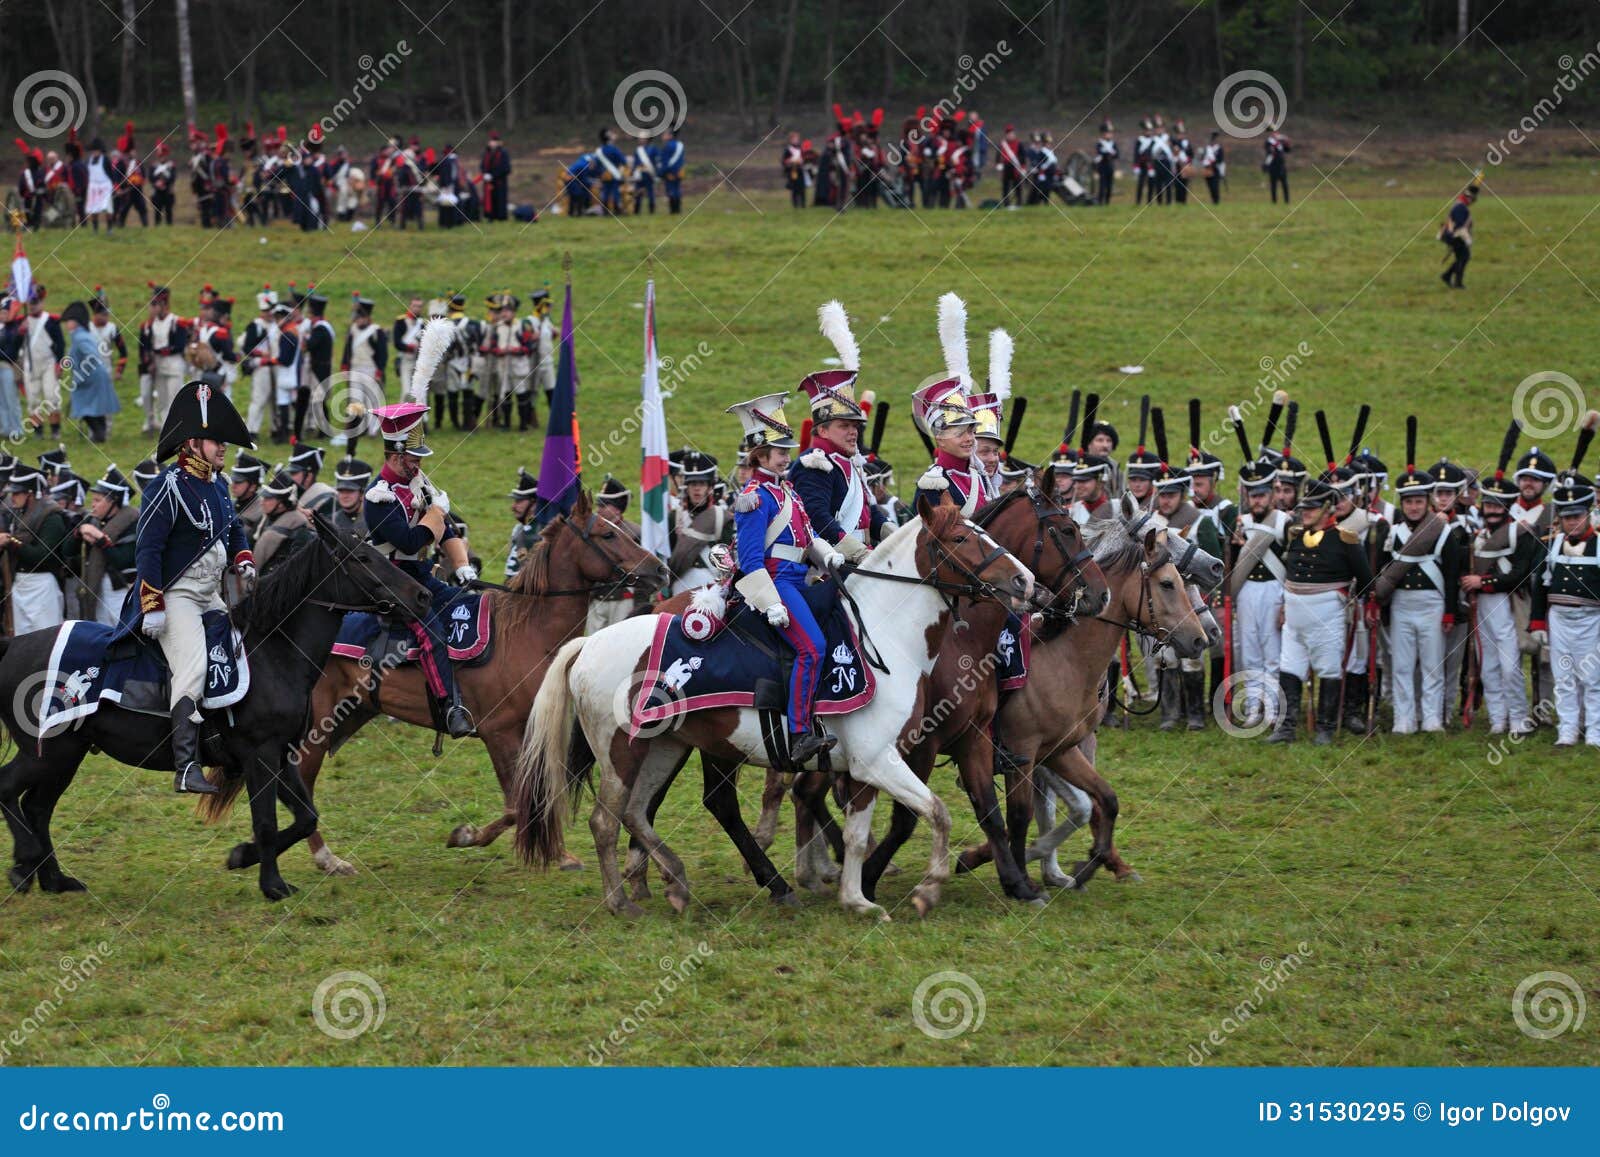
x,y
1416,882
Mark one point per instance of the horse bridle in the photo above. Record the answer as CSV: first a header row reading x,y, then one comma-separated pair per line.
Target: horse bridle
x,y
1147,597
1044,513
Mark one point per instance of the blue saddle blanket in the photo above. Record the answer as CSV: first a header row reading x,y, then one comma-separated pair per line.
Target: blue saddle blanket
x,y
1013,652
86,669
683,674
467,631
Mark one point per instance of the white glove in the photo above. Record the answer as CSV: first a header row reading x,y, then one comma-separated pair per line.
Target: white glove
x,y
247,575
466,574
832,561
441,500
153,623
1540,637
778,615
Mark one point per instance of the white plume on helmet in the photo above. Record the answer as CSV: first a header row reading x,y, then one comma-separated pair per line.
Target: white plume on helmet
x,y
431,348
953,338
835,325
1000,349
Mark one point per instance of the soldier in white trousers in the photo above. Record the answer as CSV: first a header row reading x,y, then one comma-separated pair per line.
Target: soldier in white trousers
x,y
1566,602
1258,591
1418,608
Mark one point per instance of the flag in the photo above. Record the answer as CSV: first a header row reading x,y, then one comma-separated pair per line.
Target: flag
x,y
21,274
653,435
559,468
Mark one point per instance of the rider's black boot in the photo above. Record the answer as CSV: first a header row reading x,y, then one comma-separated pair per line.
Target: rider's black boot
x,y
457,719
190,776
809,745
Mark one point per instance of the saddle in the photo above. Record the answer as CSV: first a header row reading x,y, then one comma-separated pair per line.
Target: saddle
x,y
744,662
88,666
388,643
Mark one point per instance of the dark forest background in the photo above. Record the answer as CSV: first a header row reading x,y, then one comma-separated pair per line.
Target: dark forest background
x,y
491,63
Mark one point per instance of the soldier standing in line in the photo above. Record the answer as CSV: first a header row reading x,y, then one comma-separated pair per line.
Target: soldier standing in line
x,y
1105,162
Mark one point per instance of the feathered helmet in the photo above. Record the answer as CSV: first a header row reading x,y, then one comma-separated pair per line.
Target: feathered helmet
x,y
942,404
764,423
401,424
989,407
832,393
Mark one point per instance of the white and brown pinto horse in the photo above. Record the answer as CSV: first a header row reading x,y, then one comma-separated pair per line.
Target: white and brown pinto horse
x,y
903,594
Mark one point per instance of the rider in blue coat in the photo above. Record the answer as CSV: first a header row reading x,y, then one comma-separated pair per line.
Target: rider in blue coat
x,y
188,535
772,541
405,516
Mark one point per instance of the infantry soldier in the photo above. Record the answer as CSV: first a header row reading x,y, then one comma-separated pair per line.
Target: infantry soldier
x,y
468,337
1105,162
544,372
1449,480
245,482
828,476
285,527
304,466
524,535
495,167
610,502
1325,569
366,357
1214,164
407,333
406,517
1504,558
261,348
37,529
699,523
508,346
43,347
316,360
187,536
1255,584
1275,161
109,536
1566,600
1456,233
1183,690
351,479
644,175
794,173
671,169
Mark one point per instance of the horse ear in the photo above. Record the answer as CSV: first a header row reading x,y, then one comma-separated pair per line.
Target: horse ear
x,y
926,506
1152,541
583,507
321,525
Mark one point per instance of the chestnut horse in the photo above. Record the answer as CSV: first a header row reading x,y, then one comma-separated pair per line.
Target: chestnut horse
x,y
580,556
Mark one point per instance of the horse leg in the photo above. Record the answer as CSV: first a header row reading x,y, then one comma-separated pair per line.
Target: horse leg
x,y
658,767
261,774
889,773
974,755
609,799
857,830
636,868
1080,773
721,798
814,824
902,821
1048,787
771,809
30,791
328,701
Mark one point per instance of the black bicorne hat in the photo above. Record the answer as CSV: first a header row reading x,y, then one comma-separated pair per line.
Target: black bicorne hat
x,y
614,492
201,410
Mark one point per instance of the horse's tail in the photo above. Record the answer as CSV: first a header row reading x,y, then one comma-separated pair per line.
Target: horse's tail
x,y
539,790
580,767
213,809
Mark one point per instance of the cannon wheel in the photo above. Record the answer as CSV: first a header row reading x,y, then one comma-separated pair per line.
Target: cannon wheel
x,y
60,209
1081,169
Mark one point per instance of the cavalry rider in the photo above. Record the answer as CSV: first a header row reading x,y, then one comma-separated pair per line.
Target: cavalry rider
x,y
941,409
405,517
188,536
829,476
286,525
772,540
699,521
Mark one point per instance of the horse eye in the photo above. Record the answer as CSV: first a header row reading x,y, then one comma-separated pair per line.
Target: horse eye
x,y
958,541
1166,585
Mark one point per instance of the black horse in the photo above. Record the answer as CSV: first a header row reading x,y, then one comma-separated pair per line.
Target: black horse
x,y
288,625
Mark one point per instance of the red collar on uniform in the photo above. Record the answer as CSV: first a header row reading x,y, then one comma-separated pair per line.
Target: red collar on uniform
x,y
826,444
393,479
1588,533
763,476
1526,505
194,465
952,461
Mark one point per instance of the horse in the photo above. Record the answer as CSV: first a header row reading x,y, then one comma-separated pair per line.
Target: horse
x,y
288,626
904,593
580,555
1055,713
959,705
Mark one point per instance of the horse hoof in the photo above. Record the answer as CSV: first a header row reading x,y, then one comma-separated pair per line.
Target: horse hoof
x,y
892,869
923,904
465,836
1037,902
570,863
1130,877
61,884
874,910
332,865
786,900
241,856
628,910
1056,880
20,881
679,902
281,890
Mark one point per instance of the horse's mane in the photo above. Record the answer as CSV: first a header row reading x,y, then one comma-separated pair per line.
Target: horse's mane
x,y
909,529
532,578
281,591
1114,548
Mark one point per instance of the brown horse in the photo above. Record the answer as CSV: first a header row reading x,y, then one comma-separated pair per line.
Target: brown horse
x,y
581,555
1057,710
